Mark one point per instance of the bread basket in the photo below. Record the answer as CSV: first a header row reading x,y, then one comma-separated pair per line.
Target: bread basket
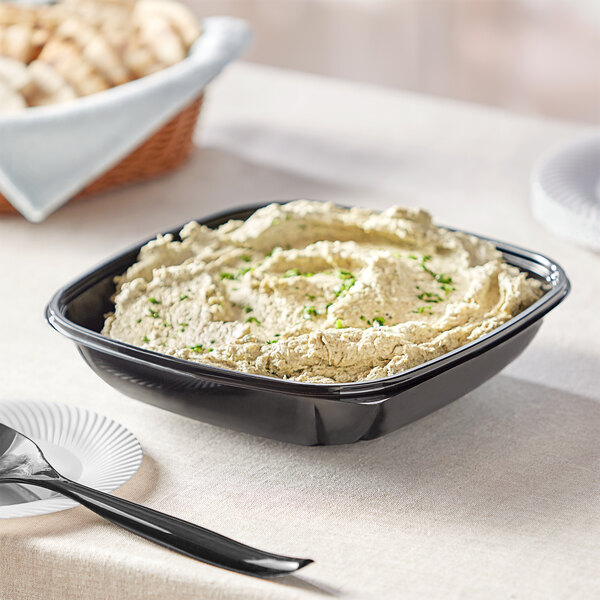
x,y
129,133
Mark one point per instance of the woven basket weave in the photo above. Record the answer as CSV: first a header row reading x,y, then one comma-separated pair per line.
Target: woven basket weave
x,y
162,152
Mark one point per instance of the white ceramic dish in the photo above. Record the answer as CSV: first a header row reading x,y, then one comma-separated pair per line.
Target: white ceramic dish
x,y
82,445
71,144
566,191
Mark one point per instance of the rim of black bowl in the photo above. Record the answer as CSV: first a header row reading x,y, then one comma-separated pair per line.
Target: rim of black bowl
x,y
557,288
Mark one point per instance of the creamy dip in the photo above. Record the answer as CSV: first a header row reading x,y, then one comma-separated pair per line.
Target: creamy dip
x,y
312,292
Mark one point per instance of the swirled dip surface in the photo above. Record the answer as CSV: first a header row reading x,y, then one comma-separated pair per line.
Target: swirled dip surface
x,y
313,292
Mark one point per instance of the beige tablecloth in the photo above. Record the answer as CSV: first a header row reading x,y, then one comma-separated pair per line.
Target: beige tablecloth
x,y
494,496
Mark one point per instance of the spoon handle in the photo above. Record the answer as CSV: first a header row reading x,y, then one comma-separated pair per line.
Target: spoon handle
x,y
176,534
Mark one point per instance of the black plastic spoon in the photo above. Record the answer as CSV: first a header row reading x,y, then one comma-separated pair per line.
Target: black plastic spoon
x,y
22,461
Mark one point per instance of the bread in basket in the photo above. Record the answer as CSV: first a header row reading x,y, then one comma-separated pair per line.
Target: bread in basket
x,y
136,127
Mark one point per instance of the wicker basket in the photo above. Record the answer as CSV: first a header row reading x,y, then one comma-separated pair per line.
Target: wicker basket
x,y
162,152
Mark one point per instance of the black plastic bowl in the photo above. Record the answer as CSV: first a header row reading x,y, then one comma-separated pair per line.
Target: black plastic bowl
x,y
301,413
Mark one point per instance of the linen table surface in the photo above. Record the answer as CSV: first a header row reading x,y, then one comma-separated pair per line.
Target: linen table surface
x,y
495,495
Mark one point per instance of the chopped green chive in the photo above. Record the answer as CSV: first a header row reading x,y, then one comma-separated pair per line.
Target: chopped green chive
x,y
252,320
441,278
184,297
310,312
291,273
348,281
310,296
245,258
153,313
248,309
339,324
139,321
226,275
197,348
378,321
153,301
430,297
145,339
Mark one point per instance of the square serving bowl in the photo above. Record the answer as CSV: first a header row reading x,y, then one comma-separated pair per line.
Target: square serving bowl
x,y
300,413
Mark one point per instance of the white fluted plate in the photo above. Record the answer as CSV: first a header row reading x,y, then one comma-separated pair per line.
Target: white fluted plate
x,y
566,191
82,445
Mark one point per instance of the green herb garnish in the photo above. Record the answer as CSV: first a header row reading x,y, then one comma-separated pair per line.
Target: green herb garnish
x,y
145,339
430,297
245,258
339,324
252,320
153,300
441,278
184,297
292,272
242,272
197,348
154,314
348,281
248,309
378,321
310,312
226,275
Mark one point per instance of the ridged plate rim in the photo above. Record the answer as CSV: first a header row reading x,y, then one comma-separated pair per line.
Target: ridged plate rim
x,y
565,190
107,450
